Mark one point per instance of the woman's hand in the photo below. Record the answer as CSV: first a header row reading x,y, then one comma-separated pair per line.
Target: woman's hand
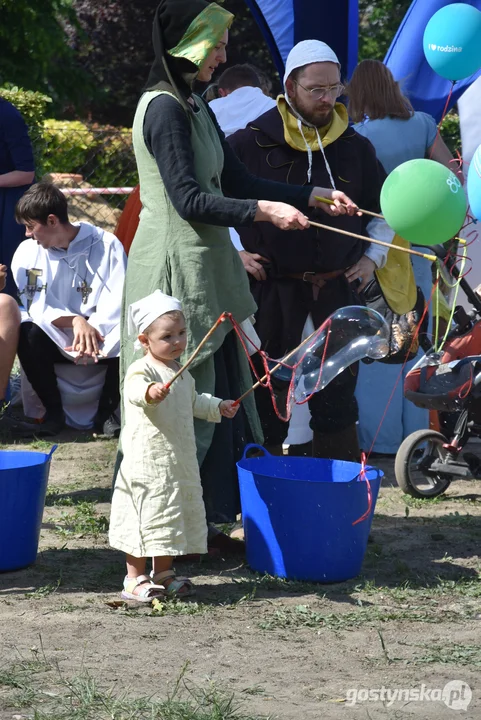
x,y
341,203
252,265
283,216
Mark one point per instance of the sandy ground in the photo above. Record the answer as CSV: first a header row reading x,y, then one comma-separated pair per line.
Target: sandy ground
x,y
287,650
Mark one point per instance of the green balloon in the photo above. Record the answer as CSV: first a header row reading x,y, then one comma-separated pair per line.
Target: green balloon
x,y
423,202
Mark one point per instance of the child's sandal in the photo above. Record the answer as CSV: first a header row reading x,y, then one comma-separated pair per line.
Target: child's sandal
x,y
174,587
148,589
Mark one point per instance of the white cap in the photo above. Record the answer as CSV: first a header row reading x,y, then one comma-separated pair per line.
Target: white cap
x,y
143,312
307,52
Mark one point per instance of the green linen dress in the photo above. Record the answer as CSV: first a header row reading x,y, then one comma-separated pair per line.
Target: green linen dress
x,y
192,261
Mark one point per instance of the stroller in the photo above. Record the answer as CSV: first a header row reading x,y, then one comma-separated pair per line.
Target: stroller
x,y
450,383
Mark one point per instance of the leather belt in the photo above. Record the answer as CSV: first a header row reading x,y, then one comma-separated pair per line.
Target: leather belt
x,y
317,279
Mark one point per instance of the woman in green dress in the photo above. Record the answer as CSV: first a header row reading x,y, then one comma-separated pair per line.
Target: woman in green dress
x,y
192,189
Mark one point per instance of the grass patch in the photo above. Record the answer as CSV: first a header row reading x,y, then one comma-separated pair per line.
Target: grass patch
x,y
419,503
63,498
44,591
451,654
303,616
85,521
161,608
48,695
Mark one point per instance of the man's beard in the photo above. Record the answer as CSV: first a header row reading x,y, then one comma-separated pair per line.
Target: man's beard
x,y
317,118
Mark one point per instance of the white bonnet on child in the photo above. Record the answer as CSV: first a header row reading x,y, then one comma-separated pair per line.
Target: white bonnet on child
x,y
143,312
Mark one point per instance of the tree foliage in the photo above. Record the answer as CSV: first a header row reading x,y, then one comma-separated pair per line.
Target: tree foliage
x,y
114,45
379,21
119,53
92,57
35,52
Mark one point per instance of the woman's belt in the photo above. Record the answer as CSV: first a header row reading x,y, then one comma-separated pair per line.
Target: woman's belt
x,y
316,278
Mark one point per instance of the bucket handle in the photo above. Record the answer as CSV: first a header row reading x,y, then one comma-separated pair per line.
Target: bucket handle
x,y
52,450
254,446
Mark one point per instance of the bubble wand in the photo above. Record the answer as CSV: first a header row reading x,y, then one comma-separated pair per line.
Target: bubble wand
x,y
328,201
184,367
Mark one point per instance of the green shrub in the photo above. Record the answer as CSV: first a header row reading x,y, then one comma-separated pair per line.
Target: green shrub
x,y
102,154
66,146
33,107
451,132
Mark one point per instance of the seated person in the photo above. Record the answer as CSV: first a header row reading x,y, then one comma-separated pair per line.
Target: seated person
x,y
70,279
9,325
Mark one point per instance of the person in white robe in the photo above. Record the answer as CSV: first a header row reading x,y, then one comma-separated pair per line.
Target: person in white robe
x,y
70,280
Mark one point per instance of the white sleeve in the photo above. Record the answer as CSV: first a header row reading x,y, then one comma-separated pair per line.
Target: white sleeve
x,y
107,313
235,239
379,230
205,406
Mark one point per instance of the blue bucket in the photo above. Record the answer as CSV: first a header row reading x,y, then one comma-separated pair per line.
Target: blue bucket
x,y
300,515
23,486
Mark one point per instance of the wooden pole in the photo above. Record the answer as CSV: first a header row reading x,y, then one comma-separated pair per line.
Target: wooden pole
x,y
276,367
328,201
432,258
214,327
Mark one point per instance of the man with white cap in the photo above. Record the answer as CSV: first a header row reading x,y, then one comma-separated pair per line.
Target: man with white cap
x,y
307,139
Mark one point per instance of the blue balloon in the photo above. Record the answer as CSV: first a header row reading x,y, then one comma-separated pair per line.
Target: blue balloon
x,y
474,184
452,41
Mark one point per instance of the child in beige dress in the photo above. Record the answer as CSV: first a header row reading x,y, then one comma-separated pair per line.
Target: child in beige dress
x,y
157,505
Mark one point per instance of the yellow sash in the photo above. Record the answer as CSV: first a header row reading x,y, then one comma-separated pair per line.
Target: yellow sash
x,y
397,280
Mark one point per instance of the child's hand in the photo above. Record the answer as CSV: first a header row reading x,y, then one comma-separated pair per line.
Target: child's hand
x,y
228,408
157,392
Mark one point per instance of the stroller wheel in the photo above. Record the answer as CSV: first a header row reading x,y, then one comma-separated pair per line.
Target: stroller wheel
x,y
413,462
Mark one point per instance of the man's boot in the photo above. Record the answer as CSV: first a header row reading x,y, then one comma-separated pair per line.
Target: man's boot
x,y
342,445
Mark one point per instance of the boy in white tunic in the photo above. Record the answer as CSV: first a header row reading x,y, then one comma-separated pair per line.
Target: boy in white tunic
x,y
70,279
157,505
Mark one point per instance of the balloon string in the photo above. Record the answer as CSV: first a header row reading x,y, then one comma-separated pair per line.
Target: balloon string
x,y
445,111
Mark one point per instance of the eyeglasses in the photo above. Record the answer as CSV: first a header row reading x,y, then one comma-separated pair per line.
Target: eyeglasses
x,y
319,92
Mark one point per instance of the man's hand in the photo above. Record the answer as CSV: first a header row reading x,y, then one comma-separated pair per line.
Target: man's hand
x,y
228,409
86,339
3,276
362,270
341,203
251,264
156,393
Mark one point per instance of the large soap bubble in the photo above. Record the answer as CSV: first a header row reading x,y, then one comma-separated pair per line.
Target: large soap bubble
x,y
347,336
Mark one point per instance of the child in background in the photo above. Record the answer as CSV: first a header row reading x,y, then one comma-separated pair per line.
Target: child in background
x,y
157,505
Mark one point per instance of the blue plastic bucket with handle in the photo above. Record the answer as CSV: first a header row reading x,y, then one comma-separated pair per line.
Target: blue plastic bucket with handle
x,y
306,518
23,486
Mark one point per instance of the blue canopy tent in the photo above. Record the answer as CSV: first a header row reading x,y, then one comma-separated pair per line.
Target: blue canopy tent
x,y
405,58
286,22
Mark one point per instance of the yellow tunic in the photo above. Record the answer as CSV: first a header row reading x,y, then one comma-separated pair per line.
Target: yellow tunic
x,y
157,506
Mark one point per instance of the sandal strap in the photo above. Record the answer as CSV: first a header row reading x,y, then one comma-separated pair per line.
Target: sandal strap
x,y
177,582
149,587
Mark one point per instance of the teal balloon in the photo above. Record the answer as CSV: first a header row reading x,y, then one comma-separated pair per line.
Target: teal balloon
x,y
423,202
452,41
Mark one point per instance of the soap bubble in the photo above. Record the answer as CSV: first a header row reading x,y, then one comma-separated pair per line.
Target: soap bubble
x,y
347,336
